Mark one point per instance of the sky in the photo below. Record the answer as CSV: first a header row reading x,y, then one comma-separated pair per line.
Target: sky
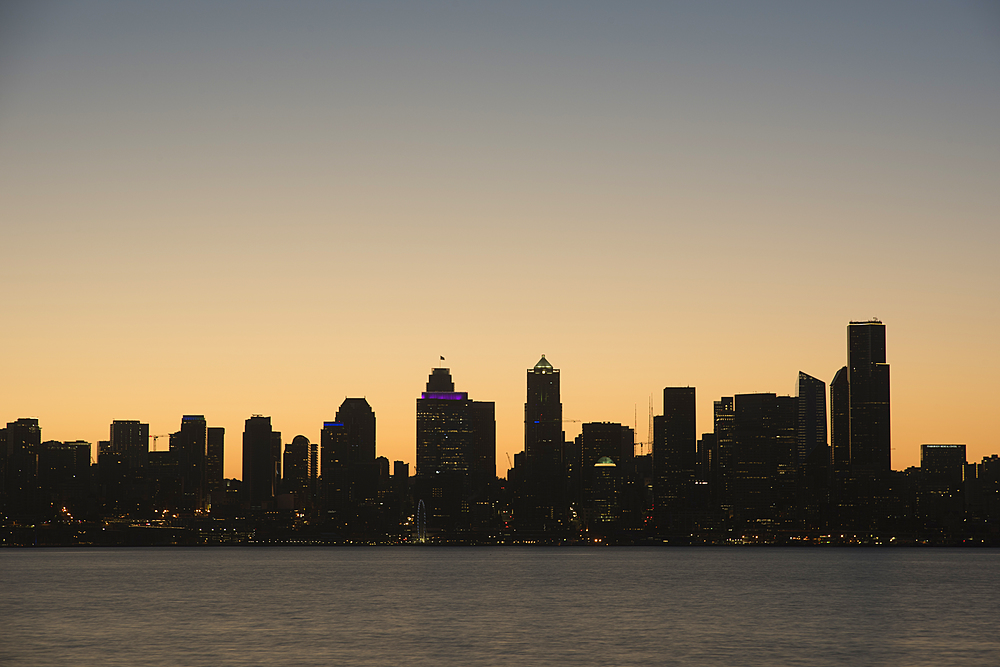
x,y
234,208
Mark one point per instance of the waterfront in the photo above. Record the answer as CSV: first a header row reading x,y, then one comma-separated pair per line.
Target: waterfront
x,y
503,605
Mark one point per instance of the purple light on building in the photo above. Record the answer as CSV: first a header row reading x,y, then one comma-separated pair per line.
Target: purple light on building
x,y
446,395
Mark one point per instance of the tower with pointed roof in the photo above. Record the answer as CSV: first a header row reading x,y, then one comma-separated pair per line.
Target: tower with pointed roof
x,y
543,434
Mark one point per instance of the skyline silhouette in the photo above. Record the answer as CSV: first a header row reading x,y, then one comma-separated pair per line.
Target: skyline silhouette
x,y
230,210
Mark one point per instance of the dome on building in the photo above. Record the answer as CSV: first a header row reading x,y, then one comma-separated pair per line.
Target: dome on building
x,y
604,461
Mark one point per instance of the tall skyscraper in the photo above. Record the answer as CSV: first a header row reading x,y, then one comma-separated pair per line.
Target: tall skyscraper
x,y
216,459
130,440
456,452
358,418
295,472
191,447
261,462
543,487
811,432
543,432
335,466
840,423
869,399
723,479
674,456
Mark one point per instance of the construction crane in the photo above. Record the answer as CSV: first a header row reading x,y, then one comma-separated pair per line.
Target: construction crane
x,y
157,437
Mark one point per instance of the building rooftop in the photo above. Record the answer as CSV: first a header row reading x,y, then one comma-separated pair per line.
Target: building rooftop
x,y
542,363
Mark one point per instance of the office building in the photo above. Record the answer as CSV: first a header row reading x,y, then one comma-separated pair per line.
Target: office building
x,y
456,454
358,419
261,462
868,379
130,440
674,457
190,448
840,423
215,459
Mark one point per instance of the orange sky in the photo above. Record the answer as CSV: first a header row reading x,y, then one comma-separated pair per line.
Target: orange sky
x,y
219,211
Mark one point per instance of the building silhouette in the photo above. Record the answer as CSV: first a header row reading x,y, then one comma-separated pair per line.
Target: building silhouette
x,y
295,469
335,473
23,440
868,379
358,418
543,486
456,455
765,456
674,459
130,440
215,459
601,440
190,448
840,422
261,462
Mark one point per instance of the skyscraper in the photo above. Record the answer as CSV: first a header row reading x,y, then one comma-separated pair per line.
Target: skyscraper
x,y
765,455
261,462
295,471
869,399
723,479
215,459
543,433
597,440
358,418
840,423
23,440
456,452
543,485
130,440
191,446
811,432
335,462
674,455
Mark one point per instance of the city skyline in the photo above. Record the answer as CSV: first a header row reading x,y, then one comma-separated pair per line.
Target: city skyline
x,y
237,209
862,345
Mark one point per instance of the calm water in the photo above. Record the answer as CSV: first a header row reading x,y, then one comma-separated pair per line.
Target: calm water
x,y
499,606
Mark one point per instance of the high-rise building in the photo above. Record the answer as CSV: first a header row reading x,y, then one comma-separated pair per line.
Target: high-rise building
x,y
944,464
191,446
543,433
215,459
940,494
543,487
840,423
261,462
601,439
723,479
23,440
335,467
456,453
811,432
130,440
765,455
674,456
295,472
64,475
868,378
358,418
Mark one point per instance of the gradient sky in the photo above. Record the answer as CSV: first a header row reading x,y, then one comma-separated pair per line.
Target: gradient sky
x,y
230,208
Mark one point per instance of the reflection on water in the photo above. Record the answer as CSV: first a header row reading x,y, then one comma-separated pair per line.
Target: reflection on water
x,y
499,605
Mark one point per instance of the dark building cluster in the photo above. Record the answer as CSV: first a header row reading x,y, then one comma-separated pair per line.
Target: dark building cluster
x,y
773,470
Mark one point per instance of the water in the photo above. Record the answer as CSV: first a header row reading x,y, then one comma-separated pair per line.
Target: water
x,y
499,606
